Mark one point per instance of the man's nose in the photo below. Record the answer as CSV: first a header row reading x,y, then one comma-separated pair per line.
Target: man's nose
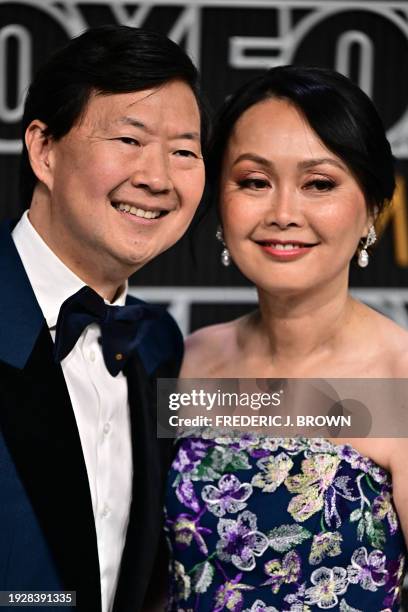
x,y
284,209
152,170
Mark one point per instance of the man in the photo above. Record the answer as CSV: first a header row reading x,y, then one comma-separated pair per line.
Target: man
x,y
112,172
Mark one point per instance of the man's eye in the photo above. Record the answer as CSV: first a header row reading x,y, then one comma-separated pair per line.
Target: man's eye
x,y
321,185
129,141
253,183
185,153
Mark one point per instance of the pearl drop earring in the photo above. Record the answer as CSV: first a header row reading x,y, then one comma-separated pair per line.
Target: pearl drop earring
x,y
363,256
225,254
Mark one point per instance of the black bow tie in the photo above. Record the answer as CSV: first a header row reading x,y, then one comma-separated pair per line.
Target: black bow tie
x,y
122,327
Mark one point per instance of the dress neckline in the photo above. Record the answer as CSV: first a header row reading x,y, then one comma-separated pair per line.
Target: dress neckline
x,y
346,451
354,457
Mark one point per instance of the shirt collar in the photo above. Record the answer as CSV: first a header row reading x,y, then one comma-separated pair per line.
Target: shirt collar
x,y
52,281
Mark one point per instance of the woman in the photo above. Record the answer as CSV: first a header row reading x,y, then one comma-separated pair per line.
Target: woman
x,y
302,169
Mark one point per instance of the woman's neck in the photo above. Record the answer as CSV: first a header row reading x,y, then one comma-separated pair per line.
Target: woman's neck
x,y
303,327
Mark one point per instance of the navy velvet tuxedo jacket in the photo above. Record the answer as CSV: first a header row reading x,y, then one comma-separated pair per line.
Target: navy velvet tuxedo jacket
x,y
47,533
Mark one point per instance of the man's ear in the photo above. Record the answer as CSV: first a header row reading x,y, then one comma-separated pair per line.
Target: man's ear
x,y
39,146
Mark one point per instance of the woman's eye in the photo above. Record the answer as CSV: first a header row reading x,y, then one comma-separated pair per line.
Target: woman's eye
x,y
130,141
253,183
321,184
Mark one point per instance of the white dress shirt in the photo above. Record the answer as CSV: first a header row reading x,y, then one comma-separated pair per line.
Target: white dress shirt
x,y
99,401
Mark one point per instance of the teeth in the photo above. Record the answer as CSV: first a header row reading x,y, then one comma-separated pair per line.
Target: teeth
x,y
138,212
285,247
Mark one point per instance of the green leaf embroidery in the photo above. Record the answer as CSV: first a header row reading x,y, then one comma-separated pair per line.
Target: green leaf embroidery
x,y
239,461
202,577
376,534
285,537
344,607
360,529
355,515
373,528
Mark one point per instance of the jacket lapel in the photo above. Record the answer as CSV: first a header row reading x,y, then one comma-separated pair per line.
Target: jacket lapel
x,y
159,355
20,315
151,460
40,431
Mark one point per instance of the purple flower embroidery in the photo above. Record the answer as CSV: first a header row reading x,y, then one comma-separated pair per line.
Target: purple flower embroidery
x,y
359,462
256,447
186,495
230,496
282,572
190,453
353,457
395,574
367,570
240,541
229,596
186,528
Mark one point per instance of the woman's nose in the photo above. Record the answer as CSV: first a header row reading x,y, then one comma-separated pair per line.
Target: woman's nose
x,y
284,210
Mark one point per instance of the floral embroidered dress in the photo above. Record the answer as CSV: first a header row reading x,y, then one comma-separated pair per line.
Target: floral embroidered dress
x,y
280,525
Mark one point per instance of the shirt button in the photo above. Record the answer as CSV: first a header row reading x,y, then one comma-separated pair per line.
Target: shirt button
x,y
106,428
92,355
105,511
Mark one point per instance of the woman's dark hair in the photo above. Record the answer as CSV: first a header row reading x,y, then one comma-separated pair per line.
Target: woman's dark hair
x,y
338,111
104,60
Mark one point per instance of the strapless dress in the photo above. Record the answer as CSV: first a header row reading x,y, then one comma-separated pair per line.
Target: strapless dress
x,y
258,524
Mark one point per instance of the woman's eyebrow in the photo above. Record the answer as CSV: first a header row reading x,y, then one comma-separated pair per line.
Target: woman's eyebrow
x,y
258,159
309,163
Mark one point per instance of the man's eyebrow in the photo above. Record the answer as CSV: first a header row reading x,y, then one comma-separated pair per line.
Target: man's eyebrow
x,y
186,136
142,126
134,122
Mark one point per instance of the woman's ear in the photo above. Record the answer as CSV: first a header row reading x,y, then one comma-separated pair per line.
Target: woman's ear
x,y
39,146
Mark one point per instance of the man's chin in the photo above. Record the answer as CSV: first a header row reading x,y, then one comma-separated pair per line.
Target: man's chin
x,y
131,263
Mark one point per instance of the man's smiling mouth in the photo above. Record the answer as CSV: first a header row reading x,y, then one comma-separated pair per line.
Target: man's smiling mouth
x,y
139,212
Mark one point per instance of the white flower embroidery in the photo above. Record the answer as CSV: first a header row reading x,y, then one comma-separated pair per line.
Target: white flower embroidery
x,y
241,541
273,471
328,584
367,570
230,496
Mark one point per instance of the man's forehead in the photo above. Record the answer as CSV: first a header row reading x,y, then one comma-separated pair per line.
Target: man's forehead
x,y
117,103
129,108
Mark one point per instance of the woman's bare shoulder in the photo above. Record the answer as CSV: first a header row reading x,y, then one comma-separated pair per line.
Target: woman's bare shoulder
x,y
390,341
394,339
207,348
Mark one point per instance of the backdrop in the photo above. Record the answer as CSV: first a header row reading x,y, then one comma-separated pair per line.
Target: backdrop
x,y
231,41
